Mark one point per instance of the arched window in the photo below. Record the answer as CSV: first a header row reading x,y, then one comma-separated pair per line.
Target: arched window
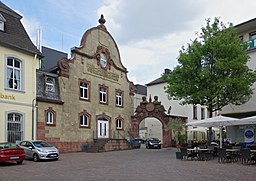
x,y
119,124
14,127
50,117
49,84
84,119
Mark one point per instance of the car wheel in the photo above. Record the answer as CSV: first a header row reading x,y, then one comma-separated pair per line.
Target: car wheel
x,y
35,158
19,162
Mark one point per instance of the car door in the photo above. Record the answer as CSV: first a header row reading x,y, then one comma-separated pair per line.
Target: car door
x,y
24,147
30,149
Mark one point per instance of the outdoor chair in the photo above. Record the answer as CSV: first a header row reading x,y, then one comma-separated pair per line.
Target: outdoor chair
x,y
212,151
247,157
223,156
185,154
203,155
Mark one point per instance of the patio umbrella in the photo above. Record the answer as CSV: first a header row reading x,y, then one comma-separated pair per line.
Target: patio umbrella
x,y
248,120
218,122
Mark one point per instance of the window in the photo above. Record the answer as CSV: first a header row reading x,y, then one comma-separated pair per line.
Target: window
x,y
103,60
2,21
103,94
84,90
49,84
252,42
14,73
84,119
119,124
202,113
194,112
50,117
14,127
119,98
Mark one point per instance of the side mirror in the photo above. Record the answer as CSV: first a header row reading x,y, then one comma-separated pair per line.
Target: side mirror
x,y
30,147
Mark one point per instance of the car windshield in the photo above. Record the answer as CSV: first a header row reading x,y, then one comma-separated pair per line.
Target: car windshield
x,y
41,144
8,145
154,140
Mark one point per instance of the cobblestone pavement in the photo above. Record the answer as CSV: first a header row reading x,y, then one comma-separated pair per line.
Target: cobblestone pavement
x,y
129,165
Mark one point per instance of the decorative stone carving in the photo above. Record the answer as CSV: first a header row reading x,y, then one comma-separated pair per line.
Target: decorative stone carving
x,y
63,66
152,109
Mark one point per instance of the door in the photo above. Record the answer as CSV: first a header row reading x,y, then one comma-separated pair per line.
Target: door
x,y
103,129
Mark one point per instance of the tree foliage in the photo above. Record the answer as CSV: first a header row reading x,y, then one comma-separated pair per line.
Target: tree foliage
x,y
178,127
213,69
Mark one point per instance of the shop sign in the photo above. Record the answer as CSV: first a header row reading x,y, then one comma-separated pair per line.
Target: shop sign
x,y
6,96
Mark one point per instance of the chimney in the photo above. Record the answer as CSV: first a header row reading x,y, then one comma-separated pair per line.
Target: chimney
x,y
167,71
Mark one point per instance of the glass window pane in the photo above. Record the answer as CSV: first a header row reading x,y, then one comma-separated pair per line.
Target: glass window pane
x,y
16,64
10,62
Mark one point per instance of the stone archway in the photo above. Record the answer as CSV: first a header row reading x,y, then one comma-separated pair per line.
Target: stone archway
x,y
148,109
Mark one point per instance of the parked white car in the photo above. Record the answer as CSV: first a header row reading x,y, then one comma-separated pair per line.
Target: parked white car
x,y
39,150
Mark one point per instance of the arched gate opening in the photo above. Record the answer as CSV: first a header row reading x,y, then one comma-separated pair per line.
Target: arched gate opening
x,y
148,109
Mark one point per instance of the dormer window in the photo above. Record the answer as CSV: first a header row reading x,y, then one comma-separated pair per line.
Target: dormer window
x,y
2,22
49,84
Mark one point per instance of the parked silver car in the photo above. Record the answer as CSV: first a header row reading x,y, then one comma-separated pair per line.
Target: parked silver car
x,y
39,150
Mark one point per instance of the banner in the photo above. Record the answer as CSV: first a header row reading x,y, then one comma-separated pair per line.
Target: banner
x,y
249,136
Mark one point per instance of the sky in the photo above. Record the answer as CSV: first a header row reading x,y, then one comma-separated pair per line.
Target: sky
x,y
148,33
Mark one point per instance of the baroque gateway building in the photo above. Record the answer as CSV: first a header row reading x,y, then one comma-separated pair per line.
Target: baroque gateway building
x,y
86,102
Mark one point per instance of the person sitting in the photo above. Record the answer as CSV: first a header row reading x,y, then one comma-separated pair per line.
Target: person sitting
x,y
214,143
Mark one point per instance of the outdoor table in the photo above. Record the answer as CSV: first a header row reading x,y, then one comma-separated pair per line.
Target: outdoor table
x,y
234,153
202,153
233,150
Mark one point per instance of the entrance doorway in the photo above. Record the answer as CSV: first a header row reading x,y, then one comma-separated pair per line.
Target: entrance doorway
x,y
103,128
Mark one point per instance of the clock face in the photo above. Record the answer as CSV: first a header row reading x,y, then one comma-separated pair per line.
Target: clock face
x,y
103,60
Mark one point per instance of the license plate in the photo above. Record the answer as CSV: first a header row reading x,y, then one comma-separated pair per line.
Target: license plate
x,y
14,157
155,145
55,155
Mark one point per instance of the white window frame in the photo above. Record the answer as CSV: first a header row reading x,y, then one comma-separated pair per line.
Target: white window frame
x,y
49,84
2,22
84,119
20,121
119,124
103,94
18,72
50,118
119,98
84,90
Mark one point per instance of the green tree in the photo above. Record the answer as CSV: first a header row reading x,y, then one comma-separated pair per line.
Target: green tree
x,y
177,126
212,70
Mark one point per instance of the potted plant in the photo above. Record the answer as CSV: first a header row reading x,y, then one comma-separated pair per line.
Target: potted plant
x,y
177,127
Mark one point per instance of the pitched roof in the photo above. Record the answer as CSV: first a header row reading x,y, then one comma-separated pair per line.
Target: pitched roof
x,y
51,57
140,89
156,81
159,80
14,34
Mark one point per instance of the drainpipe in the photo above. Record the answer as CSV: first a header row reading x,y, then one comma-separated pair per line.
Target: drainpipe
x,y
34,105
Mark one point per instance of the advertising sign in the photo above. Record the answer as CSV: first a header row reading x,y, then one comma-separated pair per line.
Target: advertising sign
x,y
249,136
